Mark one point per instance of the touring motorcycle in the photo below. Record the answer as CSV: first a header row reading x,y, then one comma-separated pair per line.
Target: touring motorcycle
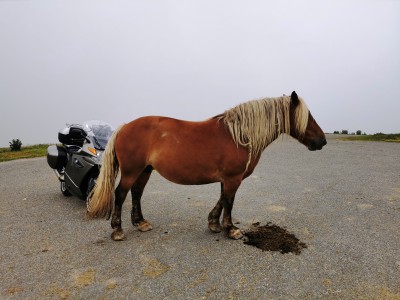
x,y
77,161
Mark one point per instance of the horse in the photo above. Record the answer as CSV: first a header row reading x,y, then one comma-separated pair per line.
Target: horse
x,y
225,148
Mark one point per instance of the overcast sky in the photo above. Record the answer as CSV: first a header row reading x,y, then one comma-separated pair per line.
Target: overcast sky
x,y
71,61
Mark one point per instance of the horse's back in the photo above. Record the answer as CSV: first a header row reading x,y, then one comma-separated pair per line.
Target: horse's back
x,y
157,130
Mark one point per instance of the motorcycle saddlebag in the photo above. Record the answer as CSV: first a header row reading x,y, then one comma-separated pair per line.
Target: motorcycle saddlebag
x,y
56,157
72,136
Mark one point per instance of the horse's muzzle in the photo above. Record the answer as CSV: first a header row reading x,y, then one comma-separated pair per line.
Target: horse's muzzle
x,y
317,144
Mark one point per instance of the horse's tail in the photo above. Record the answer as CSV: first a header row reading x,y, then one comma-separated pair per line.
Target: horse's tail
x,y
100,202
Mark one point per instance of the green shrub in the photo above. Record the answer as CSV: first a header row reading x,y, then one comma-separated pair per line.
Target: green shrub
x,y
15,145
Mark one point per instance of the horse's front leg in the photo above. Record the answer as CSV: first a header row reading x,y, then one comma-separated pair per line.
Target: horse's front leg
x,y
228,197
137,192
120,195
215,214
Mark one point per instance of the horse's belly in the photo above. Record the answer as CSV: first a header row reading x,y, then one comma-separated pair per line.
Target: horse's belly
x,y
183,174
186,168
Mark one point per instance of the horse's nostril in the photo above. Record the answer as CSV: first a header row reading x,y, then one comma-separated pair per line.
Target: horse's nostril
x,y
317,144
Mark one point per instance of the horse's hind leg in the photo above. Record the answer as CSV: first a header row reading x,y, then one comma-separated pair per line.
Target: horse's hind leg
x,y
137,192
125,184
215,214
120,195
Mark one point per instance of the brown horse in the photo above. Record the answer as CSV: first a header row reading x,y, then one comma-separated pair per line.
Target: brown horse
x,y
225,148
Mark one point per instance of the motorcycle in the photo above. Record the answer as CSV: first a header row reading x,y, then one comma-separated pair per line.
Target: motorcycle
x,y
77,161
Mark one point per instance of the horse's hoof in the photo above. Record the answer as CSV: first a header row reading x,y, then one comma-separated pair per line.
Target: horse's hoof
x,y
144,226
235,233
118,235
214,227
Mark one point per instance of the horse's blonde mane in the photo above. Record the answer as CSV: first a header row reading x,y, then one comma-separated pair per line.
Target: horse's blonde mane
x,y
257,123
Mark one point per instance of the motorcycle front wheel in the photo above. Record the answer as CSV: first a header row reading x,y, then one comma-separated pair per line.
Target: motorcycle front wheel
x,y
64,190
91,184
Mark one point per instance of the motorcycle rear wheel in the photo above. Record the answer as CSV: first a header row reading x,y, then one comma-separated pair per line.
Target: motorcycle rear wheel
x,y
64,190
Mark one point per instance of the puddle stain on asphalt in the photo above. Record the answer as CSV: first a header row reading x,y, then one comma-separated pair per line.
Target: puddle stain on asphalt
x,y
85,278
152,267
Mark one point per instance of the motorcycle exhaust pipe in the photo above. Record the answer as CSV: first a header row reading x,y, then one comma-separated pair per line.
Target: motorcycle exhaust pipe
x,y
59,175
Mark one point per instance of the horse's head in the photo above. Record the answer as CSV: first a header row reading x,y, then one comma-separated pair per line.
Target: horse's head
x,y
303,126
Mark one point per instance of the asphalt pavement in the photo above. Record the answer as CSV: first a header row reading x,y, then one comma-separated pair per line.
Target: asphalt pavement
x,y
343,202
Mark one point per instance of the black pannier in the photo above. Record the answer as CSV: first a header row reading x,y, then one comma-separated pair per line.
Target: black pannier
x,y
56,157
72,136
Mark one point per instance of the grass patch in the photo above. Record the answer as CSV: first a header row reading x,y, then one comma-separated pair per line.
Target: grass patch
x,y
377,137
26,152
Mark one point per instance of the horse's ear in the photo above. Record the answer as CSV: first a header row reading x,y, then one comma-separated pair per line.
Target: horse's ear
x,y
294,98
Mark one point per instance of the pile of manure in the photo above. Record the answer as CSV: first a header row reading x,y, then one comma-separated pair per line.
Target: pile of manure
x,y
271,237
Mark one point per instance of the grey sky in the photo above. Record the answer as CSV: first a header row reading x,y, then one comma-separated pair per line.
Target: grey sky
x,y
71,61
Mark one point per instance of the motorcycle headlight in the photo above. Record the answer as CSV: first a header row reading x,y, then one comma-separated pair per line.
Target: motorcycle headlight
x,y
98,157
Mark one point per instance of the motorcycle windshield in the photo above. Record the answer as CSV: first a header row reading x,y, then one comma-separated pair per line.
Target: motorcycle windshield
x,y
99,132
